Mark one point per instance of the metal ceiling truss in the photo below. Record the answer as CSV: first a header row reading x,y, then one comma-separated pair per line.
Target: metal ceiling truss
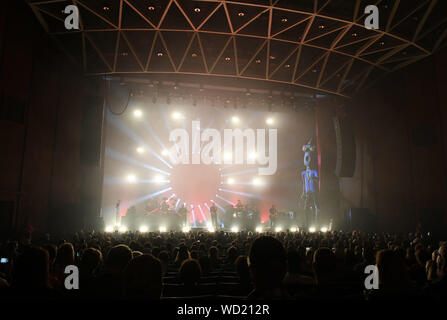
x,y
311,47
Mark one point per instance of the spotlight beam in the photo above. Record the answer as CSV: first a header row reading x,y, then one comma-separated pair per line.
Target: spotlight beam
x,y
201,212
122,157
153,134
109,180
177,203
193,217
218,205
130,203
245,194
226,200
238,183
131,134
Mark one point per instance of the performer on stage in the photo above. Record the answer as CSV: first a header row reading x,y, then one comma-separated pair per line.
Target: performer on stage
x,y
213,211
239,206
164,206
183,213
309,178
117,213
273,213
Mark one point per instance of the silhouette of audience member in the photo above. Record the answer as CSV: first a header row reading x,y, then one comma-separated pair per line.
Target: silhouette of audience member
x,y
294,275
30,275
393,276
268,264
213,254
64,257
52,253
142,278
232,255
205,264
91,260
109,284
190,272
182,255
438,288
89,265
163,256
243,272
324,267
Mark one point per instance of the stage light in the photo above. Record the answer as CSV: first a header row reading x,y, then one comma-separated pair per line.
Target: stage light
x,y
140,150
230,181
164,152
186,229
235,120
162,229
258,229
323,229
211,229
138,113
278,229
176,115
312,229
293,229
257,182
269,121
234,229
109,229
228,156
143,229
122,229
131,178
253,155
158,178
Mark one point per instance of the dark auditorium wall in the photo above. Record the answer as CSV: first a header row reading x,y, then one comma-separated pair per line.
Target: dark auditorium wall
x,y
400,127
42,173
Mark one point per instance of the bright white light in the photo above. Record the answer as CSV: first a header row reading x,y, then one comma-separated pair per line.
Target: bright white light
x,y
278,229
176,115
293,229
162,229
122,229
323,229
269,121
143,229
138,113
253,155
312,229
164,152
257,182
186,229
235,119
234,229
211,229
109,229
259,229
158,178
131,178
227,156
230,181
140,150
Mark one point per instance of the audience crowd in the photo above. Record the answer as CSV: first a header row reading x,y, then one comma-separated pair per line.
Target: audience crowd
x,y
244,265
